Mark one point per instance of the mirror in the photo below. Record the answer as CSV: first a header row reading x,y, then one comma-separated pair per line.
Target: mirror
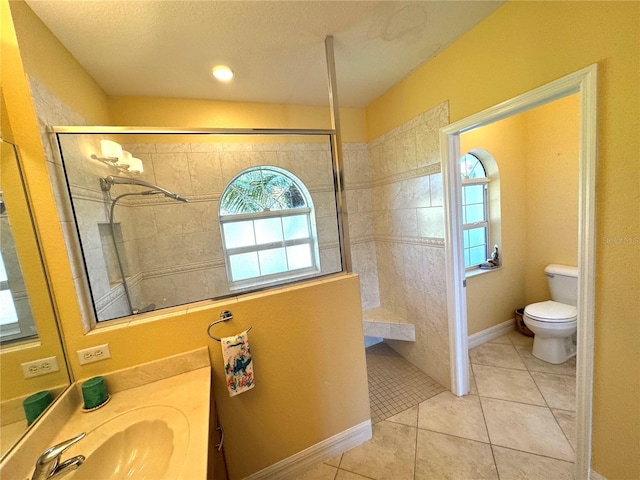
x,y
16,317
167,219
31,353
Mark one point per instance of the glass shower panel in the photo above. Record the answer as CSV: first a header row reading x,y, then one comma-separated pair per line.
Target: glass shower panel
x,y
165,216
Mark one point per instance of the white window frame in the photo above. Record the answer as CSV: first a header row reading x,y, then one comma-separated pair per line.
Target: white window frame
x,y
484,224
311,239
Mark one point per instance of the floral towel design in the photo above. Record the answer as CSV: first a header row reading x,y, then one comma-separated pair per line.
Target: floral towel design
x,y
238,366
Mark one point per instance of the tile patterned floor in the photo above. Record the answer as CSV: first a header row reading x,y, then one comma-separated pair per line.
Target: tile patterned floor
x,y
518,422
395,384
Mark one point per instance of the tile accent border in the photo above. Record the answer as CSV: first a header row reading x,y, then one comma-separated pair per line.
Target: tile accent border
x,y
490,333
308,458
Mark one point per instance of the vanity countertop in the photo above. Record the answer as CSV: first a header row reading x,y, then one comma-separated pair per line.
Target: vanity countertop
x,y
176,389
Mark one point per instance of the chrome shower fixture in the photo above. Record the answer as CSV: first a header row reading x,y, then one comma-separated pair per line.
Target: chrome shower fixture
x,y
107,182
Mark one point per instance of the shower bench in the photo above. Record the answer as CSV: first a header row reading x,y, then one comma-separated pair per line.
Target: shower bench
x,y
382,323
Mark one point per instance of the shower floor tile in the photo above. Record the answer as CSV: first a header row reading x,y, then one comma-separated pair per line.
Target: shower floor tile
x,y
395,384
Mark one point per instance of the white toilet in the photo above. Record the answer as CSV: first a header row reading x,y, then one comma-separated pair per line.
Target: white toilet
x,y
555,321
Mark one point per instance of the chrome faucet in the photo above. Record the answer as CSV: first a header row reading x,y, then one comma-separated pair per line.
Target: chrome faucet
x,y
48,465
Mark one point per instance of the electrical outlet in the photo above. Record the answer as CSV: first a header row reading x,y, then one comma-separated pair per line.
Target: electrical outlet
x,y
94,354
39,367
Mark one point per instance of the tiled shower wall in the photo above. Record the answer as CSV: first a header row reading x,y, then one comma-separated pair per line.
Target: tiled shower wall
x,y
361,222
51,111
396,221
179,246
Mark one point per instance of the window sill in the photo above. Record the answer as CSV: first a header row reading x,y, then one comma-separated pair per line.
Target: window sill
x,y
476,272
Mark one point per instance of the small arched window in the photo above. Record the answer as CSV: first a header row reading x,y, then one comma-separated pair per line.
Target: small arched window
x,y
475,210
268,228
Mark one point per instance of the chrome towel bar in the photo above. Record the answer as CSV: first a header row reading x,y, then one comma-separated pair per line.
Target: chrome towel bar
x,y
225,316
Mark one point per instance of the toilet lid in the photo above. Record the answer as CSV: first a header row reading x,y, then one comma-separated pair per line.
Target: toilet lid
x,y
551,311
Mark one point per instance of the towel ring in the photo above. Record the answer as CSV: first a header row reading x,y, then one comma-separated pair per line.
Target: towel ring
x,y
225,316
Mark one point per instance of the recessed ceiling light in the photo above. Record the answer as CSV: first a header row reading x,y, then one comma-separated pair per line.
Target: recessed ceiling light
x,y
222,73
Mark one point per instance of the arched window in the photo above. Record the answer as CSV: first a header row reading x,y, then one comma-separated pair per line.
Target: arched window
x,y
475,210
268,228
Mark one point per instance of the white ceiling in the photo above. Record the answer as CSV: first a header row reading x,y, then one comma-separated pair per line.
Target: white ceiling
x,y
167,48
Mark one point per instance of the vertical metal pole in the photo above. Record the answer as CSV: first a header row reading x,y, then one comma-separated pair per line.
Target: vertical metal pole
x,y
336,146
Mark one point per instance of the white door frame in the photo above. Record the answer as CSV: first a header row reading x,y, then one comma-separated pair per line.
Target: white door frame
x,y
584,83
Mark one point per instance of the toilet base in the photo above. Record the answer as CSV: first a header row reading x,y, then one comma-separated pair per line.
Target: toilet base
x,y
554,350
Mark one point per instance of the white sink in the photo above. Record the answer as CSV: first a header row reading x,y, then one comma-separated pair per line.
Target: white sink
x,y
145,443
154,427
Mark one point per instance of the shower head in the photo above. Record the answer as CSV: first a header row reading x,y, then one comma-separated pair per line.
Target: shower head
x,y
107,182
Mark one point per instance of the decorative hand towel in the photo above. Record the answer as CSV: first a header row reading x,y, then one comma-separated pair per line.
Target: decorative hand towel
x,y
238,366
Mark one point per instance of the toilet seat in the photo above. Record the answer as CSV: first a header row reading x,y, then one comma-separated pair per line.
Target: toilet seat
x,y
551,312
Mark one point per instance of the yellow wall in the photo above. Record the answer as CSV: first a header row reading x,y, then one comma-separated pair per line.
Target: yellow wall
x,y
19,126
46,59
184,113
524,45
304,391
493,296
552,172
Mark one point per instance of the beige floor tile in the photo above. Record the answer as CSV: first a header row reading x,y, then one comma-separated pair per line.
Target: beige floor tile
x,y
344,475
507,384
515,465
408,417
496,355
473,386
558,390
334,461
321,471
504,339
567,421
459,416
528,428
389,455
442,456
534,364
518,338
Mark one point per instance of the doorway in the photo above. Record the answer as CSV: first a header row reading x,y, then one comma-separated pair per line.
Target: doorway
x,y
583,83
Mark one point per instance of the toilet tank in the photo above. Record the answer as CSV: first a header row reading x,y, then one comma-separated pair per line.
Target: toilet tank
x,y
563,283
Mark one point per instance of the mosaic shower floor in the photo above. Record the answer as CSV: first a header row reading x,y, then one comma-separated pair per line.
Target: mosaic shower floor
x,y
395,384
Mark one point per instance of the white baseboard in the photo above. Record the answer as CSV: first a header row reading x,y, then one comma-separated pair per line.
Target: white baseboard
x,y
596,476
491,333
296,464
